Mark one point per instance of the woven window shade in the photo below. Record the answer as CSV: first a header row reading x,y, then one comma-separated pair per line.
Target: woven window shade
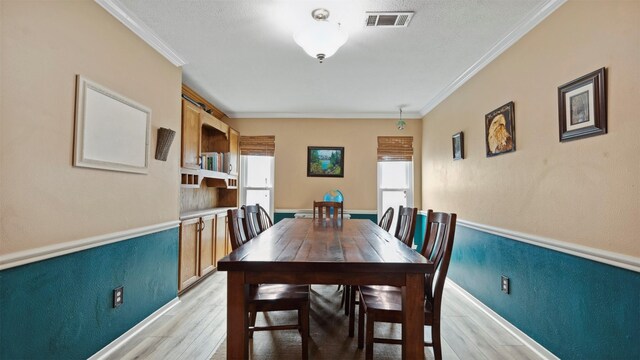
x,y
258,145
395,148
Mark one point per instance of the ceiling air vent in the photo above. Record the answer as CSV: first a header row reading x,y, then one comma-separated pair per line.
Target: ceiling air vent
x,y
388,19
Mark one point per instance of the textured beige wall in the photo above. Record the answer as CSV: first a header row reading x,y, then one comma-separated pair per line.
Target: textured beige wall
x,y
294,190
45,200
586,191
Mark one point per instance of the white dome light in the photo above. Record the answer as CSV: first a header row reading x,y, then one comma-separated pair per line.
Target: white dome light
x,y
321,39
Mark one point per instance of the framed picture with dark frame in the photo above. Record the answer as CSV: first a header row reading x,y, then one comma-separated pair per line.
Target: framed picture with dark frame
x,y
500,130
325,161
582,107
457,142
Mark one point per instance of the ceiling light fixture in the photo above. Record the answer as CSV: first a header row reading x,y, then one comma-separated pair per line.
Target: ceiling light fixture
x,y
401,123
321,39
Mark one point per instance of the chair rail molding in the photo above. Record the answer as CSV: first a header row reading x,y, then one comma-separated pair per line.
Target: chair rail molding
x,y
50,251
603,256
361,212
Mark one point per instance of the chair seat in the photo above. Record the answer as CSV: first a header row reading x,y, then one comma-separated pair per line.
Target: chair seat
x,y
274,292
387,299
370,289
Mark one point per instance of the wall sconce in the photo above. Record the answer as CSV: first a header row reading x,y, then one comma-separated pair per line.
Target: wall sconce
x,y
165,138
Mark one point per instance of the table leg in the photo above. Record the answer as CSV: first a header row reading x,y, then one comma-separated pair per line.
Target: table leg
x,y
237,322
413,322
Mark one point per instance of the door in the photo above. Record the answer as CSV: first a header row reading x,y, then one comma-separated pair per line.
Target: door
x,y
207,244
234,140
188,267
190,135
221,234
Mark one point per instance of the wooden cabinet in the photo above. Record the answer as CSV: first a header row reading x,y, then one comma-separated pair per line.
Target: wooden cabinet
x,y
234,152
188,271
190,135
210,150
221,237
203,241
207,244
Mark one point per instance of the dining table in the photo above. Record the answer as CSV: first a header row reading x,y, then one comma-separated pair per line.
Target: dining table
x,y
308,251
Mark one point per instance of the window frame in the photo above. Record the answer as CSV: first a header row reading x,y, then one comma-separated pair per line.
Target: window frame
x,y
244,167
408,191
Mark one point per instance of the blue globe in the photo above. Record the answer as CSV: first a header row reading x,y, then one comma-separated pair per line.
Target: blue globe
x,y
333,195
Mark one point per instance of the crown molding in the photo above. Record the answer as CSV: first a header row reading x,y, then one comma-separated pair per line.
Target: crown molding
x,y
305,115
526,25
131,21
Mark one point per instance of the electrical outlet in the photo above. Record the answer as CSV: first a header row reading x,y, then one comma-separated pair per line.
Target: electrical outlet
x,y
504,284
118,296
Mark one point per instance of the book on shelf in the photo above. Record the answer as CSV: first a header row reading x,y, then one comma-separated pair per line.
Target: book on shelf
x,y
215,161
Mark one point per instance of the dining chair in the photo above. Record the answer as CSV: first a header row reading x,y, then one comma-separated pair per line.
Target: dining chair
x,y
384,303
324,210
235,221
265,219
253,220
387,219
406,225
272,297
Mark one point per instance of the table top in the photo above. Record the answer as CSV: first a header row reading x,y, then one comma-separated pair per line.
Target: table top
x,y
306,245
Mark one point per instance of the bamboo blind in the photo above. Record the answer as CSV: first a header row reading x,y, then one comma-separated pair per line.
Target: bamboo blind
x,y
395,148
258,145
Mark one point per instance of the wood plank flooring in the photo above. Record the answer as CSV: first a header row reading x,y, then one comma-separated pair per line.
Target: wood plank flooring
x,y
196,329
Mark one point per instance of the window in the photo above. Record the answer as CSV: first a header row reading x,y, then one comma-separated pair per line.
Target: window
x,y
256,181
257,172
395,174
395,187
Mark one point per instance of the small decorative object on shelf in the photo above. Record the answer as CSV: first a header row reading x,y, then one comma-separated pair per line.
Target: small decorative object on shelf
x,y
165,138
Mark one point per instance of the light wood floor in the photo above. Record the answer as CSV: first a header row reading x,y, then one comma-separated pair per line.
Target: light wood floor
x,y
196,327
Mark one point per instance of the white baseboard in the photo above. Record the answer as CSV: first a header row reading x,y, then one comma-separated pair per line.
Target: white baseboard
x,y
517,333
122,339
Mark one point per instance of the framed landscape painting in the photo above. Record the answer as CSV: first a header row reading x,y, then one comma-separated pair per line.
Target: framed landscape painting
x,y
325,161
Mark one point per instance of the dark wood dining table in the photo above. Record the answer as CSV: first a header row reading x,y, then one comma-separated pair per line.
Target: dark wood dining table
x,y
306,251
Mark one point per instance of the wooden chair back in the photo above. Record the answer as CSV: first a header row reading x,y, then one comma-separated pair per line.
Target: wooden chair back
x,y
406,225
252,220
235,220
387,219
265,219
324,210
437,247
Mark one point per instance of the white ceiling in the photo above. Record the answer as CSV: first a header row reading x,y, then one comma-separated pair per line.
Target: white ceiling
x,y
241,54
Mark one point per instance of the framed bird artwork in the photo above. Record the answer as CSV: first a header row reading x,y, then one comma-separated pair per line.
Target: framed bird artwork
x,y
500,130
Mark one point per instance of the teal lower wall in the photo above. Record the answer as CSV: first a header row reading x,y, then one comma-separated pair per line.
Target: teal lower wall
x,y
61,308
574,307
289,215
